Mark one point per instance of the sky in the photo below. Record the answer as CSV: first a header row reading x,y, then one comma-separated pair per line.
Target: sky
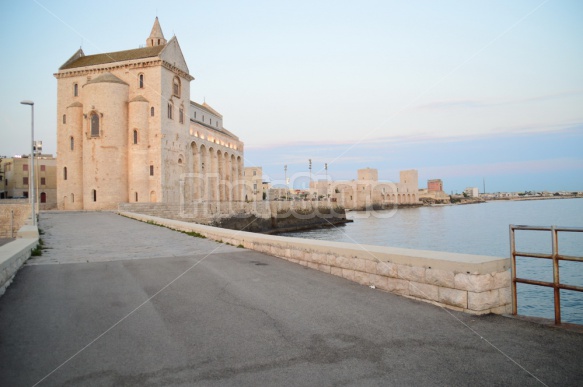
x,y
473,93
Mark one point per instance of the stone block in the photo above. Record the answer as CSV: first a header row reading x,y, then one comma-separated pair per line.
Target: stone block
x,y
331,259
453,297
358,264
343,262
387,269
348,274
484,300
474,282
505,295
362,278
502,279
303,263
504,309
313,265
411,273
440,278
425,291
399,286
379,281
297,254
319,258
336,271
370,266
324,268
288,253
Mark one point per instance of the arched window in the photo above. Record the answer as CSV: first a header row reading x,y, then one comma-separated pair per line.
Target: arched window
x,y
72,140
94,195
75,90
152,111
64,118
135,136
170,110
141,83
94,125
65,173
176,87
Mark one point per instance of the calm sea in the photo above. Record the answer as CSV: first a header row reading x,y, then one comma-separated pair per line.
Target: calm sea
x,y
482,229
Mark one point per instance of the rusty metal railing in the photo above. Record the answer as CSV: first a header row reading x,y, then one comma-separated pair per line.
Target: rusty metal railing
x,y
554,256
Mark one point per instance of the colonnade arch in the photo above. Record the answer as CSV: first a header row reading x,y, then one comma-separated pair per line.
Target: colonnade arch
x,y
216,174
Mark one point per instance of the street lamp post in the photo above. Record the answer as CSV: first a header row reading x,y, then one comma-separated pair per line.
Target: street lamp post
x,y
310,168
31,184
285,177
326,168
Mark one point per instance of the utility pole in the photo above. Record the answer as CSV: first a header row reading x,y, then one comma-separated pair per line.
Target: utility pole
x,y
285,177
326,169
31,182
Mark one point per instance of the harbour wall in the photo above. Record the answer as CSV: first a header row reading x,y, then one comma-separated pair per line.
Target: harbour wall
x,y
470,283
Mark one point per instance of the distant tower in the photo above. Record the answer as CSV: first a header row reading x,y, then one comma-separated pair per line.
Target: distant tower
x,y
156,37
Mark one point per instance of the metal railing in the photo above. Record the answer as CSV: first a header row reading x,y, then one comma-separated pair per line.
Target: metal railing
x,y
554,256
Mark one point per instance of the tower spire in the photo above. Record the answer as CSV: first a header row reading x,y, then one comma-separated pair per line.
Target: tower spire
x,y
156,37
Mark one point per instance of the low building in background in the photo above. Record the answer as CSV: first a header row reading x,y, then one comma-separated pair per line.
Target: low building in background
x,y
367,191
16,175
472,192
433,193
253,184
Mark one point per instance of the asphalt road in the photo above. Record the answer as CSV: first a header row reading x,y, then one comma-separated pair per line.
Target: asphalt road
x,y
117,302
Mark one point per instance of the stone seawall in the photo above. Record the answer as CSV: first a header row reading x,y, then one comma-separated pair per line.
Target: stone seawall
x,y
14,254
471,283
264,217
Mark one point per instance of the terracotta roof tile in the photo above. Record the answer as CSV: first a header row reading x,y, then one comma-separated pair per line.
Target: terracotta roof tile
x,y
111,57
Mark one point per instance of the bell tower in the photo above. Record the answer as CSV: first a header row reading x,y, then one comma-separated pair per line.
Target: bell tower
x,y
156,37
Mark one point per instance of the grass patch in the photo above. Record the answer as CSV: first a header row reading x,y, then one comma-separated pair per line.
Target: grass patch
x,y
37,251
240,247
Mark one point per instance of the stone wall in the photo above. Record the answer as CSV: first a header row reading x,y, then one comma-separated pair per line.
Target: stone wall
x,y
470,283
14,254
18,210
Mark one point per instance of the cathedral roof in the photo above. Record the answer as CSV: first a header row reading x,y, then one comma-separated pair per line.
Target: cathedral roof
x,y
106,78
110,57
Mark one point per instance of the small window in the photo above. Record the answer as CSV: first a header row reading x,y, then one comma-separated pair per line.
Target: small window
x,y
25,180
72,143
180,160
141,83
43,181
136,196
170,110
72,198
25,167
25,194
94,195
64,118
152,111
135,136
151,170
158,42
43,168
176,87
43,197
203,118
75,90
65,173
194,114
181,115
94,125
217,124
254,173
210,121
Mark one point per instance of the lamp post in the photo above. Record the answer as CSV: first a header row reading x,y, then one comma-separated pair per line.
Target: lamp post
x,y
285,177
326,168
31,159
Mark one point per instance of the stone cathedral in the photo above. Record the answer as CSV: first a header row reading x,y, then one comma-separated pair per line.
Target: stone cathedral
x,y
128,132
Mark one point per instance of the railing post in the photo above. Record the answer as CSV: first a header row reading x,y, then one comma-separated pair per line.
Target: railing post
x,y
556,280
513,262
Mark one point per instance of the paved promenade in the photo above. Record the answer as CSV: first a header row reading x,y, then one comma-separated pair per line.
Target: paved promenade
x,y
113,301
